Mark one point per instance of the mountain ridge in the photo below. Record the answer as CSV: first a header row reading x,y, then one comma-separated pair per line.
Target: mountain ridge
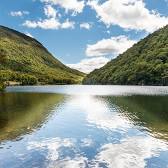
x,y
145,63
26,57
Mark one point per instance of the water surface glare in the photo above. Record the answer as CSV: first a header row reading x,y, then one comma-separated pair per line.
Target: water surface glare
x,y
93,90
84,127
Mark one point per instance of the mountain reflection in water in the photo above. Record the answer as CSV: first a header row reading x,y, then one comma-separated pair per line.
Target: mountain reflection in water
x,y
47,130
22,113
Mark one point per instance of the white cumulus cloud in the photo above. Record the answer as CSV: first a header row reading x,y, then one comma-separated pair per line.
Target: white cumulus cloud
x,y
112,46
85,26
128,14
50,11
105,47
68,24
69,5
19,13
51,22
89,64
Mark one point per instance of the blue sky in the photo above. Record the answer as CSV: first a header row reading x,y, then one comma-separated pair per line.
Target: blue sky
x,y
85,34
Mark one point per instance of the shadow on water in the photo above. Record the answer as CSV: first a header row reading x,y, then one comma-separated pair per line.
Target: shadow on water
x,y
148,112
21,113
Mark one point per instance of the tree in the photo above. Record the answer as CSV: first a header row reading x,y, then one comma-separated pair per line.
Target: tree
x,y
2,56
28,79
2,60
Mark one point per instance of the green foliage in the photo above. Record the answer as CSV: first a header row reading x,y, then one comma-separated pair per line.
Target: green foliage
x,y
20,54
2,86
28,79
2,56
146,63
23,79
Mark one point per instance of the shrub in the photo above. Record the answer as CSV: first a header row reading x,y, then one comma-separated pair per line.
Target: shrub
x,y
28,80
2,86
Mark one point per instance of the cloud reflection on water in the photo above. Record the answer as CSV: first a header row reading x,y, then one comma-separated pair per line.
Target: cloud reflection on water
x,y
130,151
100,114
55,156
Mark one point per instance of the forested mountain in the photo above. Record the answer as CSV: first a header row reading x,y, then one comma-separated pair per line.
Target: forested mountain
x,y
25,60
146,63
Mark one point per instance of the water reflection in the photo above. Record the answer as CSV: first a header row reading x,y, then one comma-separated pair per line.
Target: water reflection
x,y
100,113
148,112
23,113
112,90
132,152
83,131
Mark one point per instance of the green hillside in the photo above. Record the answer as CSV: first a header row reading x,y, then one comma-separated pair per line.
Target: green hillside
x,y
146,63
23,59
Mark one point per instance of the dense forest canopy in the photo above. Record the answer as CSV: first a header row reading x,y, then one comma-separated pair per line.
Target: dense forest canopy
x,y
146,63
23,59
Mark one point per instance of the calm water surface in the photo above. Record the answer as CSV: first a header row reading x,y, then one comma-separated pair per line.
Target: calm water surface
x,y
84,127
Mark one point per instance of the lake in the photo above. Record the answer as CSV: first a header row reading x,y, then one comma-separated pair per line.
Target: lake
x,y
84,127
